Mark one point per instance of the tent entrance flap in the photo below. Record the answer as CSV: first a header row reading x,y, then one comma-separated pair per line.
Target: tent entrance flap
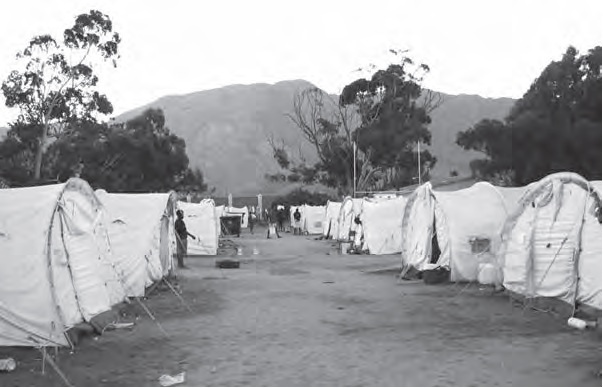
x,y
435,246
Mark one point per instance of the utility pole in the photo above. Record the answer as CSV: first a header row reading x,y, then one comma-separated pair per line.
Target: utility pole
x,y
354,166
419,159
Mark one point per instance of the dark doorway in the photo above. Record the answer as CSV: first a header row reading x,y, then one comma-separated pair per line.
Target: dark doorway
x,y
435,247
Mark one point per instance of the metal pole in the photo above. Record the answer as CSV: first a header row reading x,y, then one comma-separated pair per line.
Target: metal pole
x,y
354,165
419,159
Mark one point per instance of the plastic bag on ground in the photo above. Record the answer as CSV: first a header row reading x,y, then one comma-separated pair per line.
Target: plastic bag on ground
x,y
168,381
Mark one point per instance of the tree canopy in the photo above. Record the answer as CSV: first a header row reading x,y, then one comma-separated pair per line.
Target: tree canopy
x,y
56,85
555,126
299,197
385,115
58,135
140,155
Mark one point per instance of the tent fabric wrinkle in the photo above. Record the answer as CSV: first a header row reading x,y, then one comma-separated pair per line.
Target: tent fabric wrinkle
x,y
350,208
382,225
141,236
461,218
330,225
56,268
552,242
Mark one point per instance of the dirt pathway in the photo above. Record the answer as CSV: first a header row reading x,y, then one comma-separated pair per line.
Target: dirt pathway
x,y
300,314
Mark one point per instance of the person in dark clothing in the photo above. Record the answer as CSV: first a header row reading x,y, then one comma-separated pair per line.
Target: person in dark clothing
x,y
252,218
280,218
181,238
297,227
272,227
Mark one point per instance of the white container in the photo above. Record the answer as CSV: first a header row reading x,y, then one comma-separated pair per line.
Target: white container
x,y
344,247
239,251
8,365
576,323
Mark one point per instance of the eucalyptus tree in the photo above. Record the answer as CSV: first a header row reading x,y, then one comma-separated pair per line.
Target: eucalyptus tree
x,y
56,85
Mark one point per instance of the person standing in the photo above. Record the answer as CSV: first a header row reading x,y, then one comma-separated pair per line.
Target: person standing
x,y
280,218
181,238
297,227
272,226
251,221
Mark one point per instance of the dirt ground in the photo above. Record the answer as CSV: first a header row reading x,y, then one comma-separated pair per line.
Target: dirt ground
x,y
300,314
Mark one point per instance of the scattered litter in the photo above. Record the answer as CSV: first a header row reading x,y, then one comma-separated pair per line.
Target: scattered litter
x,y
576,323
115,325
168,381
7,365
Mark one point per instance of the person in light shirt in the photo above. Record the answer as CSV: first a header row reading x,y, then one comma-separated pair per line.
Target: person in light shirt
x,y
181,238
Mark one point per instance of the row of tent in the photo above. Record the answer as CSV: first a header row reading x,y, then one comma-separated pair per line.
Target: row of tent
x,y
542,240
69,253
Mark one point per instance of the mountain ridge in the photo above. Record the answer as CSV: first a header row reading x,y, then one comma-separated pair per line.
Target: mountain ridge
x,y
226,131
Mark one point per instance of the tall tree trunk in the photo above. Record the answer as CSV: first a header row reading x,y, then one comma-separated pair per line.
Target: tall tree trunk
x,y
40,152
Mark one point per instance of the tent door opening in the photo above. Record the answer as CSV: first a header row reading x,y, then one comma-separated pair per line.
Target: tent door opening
x,y
435,246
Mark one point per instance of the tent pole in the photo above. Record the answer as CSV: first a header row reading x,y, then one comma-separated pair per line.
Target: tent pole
x,y
146,309
178,295
354,167
419,159
54,366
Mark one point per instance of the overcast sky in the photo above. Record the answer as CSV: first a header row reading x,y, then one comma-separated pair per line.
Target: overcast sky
x,y
489,47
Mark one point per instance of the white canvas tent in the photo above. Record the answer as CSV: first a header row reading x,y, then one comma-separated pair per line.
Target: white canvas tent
x,y
329,227
382,225
200,220
350,208
142,236
466,224
590,268
312,219
56,266
552,242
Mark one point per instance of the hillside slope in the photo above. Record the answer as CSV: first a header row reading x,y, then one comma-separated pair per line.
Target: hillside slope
x,y
226,131
458,113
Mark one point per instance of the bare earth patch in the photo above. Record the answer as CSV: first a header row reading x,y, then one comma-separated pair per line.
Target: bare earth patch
x,y
300,314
